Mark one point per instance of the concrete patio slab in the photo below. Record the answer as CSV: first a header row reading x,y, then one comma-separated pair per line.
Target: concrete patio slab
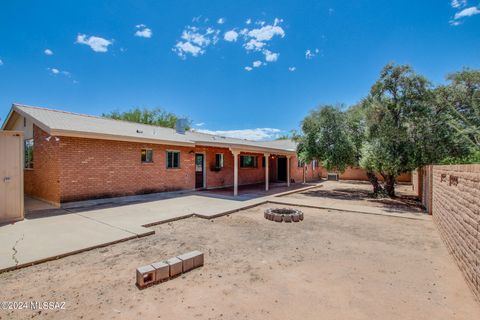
x,y
38,239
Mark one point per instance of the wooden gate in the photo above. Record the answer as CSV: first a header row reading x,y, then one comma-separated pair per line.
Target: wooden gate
x,y
11,176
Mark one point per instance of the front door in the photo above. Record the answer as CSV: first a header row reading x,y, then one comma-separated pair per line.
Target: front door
x,y
282,169
11,176
199,161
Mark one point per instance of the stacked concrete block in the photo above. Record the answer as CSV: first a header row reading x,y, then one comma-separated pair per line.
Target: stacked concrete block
x,y
456,212
176,266
187,261
162,271
145,276
168,269
197,258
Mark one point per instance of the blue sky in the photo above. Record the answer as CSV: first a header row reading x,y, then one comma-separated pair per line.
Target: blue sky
x,y
255,67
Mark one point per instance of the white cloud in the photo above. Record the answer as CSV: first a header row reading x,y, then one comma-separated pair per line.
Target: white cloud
x,y
56,71
248,21
48,52
143,31
309,54
1,62
267,32
257,134
257,63
182,48
194,41
458,3
230,36
248,68
461,15
270,56
97,44
254,44
468,12
257,39
292,69
221,21
200,124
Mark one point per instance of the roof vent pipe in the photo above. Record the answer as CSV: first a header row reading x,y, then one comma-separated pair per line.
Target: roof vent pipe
x,y
181,125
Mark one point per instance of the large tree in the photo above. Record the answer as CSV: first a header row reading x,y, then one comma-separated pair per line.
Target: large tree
x,y
404,123
155,116
396,110
458,107
326,138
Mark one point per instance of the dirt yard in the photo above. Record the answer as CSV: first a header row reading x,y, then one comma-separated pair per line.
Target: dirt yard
x,y
360,193
333,265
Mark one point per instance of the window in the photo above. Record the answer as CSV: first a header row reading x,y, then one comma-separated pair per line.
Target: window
x,y
147,155
263,162
300,163
248,162
28,143
219,160
173,159
314,164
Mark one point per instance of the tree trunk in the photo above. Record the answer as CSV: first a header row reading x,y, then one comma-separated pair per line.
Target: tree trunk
x,y
390,185
377,188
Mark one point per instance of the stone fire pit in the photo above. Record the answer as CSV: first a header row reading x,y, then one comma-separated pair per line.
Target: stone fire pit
x,y
283,214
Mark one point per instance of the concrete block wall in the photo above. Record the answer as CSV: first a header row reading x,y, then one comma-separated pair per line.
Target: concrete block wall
x,y
456,212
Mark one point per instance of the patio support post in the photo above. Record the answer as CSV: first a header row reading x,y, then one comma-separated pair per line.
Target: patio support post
x,y
267,156
288,171
235,171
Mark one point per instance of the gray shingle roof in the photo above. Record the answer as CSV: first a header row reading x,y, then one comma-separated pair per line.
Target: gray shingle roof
x,y
68,123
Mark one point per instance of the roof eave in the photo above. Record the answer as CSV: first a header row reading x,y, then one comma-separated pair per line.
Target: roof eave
x,y
245,148
89,135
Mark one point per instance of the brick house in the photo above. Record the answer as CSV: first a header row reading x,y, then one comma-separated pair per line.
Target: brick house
x,y
71,157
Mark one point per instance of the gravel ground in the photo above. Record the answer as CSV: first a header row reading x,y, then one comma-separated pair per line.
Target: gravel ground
x,y
333,265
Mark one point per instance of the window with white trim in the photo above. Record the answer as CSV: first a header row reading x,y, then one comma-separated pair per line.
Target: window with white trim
x,y
147,155
219,160
173,159
248,162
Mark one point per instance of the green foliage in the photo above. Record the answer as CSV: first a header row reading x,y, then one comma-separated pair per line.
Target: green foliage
x,y
404,123
356,130
155,116
396,109
326,139
473,157
283,137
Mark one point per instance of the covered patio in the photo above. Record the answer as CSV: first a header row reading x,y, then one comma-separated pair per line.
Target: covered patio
x,y
277,168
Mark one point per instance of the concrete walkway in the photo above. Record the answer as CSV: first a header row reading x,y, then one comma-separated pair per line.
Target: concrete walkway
x,y
56,232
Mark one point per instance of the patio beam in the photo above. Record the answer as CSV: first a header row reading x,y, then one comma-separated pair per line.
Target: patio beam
x,y
267,160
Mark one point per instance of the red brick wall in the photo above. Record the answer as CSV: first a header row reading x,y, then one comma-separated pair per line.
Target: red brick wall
x,y
251,175
93,168
311,173
360,174
223,177
456,212
43,182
